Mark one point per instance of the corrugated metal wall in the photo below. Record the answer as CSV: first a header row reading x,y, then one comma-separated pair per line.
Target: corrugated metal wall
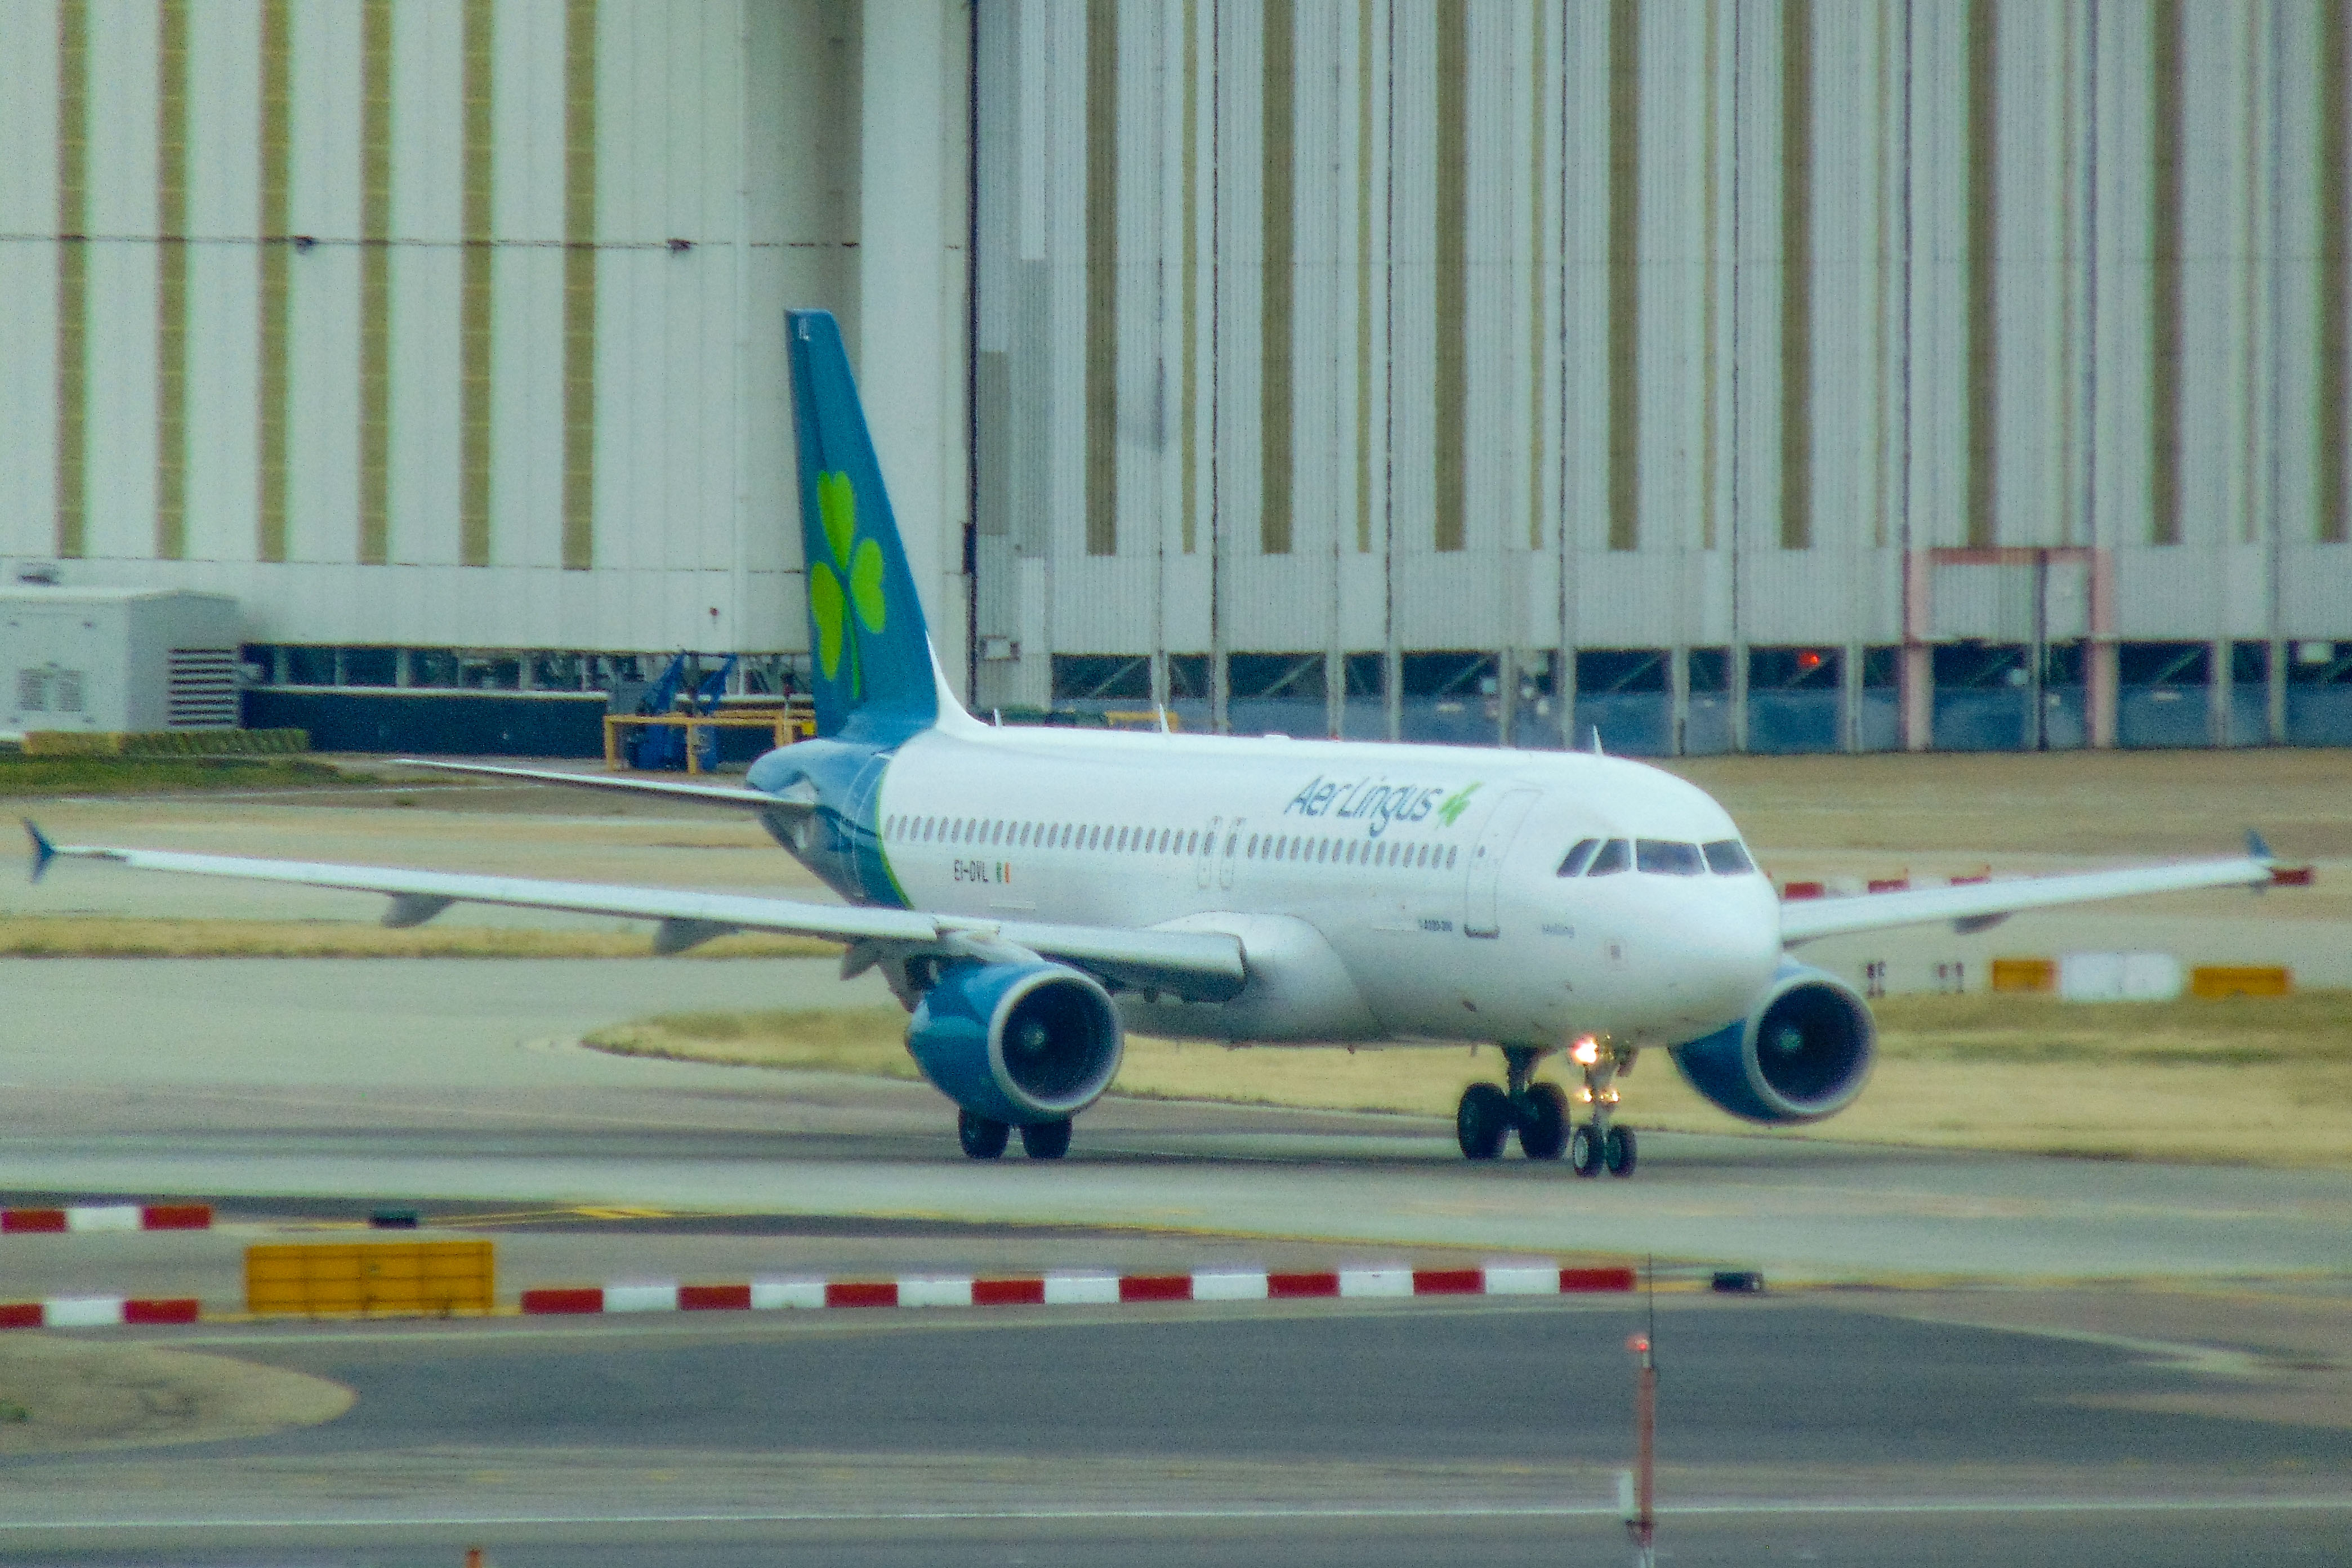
x,y
487,291
1527,327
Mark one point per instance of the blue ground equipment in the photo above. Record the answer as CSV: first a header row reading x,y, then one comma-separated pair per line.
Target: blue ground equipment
x,y
662,745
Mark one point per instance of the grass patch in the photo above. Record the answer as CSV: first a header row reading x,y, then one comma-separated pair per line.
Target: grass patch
x,y
101,937
2244,1081
868,1041
37,776
2311,1029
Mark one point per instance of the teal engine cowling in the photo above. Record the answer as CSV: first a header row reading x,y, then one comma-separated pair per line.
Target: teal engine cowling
x,y
1018,1043
1802,1053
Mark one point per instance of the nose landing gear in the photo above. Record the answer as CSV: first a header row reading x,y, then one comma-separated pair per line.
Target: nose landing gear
x,y
1600,1143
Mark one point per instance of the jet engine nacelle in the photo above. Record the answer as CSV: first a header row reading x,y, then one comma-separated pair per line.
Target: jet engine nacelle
x,y
1018,1043
1802,1053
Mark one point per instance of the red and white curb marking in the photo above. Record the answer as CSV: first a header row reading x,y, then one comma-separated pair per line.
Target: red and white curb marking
x,y
108,1217
97,1312
1080,1289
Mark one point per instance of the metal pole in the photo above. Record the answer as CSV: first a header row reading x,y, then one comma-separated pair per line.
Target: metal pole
x,y
1641,1521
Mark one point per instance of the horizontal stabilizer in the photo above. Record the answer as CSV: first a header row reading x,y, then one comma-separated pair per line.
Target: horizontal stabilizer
x,y
44,852
716,794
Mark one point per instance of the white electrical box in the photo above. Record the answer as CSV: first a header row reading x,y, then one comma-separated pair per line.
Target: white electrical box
x,y
126,660
2119,977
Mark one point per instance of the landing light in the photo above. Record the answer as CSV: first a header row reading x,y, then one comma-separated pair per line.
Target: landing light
x,y
1585,1053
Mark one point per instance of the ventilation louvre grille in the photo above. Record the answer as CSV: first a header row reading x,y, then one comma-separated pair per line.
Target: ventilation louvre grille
x,y
201,694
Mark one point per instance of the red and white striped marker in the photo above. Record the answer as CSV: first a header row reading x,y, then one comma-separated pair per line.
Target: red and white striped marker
x,y
1080,1289
97,1312
108,1217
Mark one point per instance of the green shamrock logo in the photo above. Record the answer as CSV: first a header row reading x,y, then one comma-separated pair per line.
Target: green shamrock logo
x,y
859,561
1450,810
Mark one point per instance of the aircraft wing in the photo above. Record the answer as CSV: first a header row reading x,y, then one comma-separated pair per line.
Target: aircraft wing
x,y
719,794
1972,906
1201,966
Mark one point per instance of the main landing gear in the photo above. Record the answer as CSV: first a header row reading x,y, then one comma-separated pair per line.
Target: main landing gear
x,y
984,1139
1539,1112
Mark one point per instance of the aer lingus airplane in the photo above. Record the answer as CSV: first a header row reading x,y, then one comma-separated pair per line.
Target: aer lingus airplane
x,y
1031,893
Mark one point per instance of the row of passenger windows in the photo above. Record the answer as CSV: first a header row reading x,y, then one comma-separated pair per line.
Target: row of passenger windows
x,y
979,831
1663,857
1350,851
983,831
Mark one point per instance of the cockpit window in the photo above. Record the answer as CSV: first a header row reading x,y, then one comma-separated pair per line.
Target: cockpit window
x,y
1578,856
1728,857
1615,856
1663,857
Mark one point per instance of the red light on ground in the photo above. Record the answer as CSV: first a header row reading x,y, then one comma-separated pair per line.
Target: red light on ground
x,y
1638,1343
1808,660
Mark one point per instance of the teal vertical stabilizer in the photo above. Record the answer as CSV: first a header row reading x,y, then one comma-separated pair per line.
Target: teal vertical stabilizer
x,y
872,674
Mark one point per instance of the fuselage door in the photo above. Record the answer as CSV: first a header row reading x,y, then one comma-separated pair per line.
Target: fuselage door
x,y
1484,875
1226,856
1208,855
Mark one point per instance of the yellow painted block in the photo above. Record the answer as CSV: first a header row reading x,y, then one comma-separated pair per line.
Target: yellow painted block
x,y
2212,980
314,1278
2025,974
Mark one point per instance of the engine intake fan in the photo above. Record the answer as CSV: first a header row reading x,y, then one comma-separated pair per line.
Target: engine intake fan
x,y
1017,1044
1802,1053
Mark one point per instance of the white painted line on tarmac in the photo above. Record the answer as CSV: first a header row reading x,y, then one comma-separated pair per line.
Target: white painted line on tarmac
x,y
1970,1506
1240,1285
1082,1290
593,1327
641,1298
916,1291
82,1313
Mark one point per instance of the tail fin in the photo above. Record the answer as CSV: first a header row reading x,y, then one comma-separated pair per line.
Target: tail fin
x,y
874,674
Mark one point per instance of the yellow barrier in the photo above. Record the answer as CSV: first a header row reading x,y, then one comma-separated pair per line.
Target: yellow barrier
x,y
2240,980
315,1277
2025,974
786,722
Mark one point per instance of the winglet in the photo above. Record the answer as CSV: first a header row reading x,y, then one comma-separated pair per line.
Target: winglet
x,y
2256,849
1592,742
44,852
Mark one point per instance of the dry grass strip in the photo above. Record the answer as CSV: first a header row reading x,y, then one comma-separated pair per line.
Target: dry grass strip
x,y
102,936
2246,1081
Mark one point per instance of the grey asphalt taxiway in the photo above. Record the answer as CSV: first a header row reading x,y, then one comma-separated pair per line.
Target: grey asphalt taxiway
x,y
1802,1428
1832,1425
462,1079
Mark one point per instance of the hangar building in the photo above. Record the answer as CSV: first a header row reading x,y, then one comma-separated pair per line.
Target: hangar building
x,y
1721,374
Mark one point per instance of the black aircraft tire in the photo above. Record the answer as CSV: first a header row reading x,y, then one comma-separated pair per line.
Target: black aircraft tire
x,y
1584,1149
1045,1140
1483,1120
982,1137
1543,1121
1617,1152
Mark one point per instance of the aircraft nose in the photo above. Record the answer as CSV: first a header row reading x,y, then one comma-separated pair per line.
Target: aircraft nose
x,y
1727,949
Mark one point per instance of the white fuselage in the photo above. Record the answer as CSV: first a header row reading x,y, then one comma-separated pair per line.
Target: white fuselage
x,y
1382,892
